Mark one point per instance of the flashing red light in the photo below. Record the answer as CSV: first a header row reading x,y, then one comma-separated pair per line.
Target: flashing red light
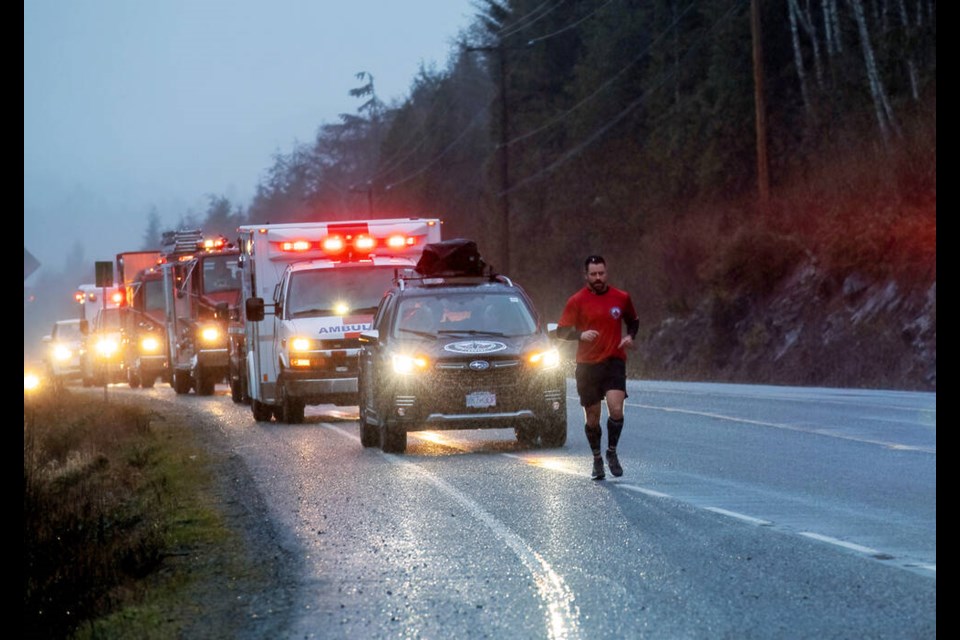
x,y
333,244
365,243
213,244
296,245
79,297
116,297
397,241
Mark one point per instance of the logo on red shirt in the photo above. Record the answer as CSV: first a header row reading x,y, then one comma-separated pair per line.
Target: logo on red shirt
x,y
615,312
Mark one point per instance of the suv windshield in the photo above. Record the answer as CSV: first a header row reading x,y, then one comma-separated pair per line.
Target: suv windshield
x,y
465,313
326,292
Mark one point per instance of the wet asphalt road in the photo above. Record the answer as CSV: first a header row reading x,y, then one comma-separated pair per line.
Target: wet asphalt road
x,y
744,512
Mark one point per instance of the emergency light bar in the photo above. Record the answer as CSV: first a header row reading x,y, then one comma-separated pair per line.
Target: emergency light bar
x,y
337,244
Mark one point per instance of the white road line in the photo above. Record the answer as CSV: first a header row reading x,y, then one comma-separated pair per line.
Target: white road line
x,y
740,516
562,613
648,492
849,401
840,543
533,461
788,427
532,558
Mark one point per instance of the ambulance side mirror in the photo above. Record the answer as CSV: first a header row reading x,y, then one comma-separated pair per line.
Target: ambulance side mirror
x,y
254,309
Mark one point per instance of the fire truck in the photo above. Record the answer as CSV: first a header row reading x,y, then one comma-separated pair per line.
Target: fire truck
x,y
143,343
202,292
323,282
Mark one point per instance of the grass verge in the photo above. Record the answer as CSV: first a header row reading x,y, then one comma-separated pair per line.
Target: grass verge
x,y
115,498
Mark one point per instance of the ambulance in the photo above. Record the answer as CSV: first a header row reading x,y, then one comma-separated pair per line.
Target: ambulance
x,y
309,290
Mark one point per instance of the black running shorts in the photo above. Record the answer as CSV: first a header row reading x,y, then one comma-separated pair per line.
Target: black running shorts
x,y
595,379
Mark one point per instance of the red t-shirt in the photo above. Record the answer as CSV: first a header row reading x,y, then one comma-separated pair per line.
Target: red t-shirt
x,y
603,312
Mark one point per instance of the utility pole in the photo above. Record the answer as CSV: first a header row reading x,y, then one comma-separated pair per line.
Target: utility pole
x,y
504,155
763,173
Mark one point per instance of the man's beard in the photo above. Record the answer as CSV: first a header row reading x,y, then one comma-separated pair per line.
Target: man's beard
x,y
598,287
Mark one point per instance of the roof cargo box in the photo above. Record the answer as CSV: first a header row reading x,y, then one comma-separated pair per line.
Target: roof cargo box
x,y
455,257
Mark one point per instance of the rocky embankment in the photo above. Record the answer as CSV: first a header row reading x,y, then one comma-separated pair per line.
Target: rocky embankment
x,y
812,329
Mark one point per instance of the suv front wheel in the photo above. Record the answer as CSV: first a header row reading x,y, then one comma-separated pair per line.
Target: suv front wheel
x,y
553,431
393,438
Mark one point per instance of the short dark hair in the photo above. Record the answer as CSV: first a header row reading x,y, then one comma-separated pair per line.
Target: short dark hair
x,y
594,259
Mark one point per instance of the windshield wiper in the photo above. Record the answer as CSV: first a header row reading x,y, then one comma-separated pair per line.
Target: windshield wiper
x,y
425,334
473,332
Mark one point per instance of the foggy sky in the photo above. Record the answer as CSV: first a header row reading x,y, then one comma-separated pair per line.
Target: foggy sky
x,y
131,104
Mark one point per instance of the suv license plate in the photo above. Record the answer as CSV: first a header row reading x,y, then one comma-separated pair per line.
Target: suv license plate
x,y
481,400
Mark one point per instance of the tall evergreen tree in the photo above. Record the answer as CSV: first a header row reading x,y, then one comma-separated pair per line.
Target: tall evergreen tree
x,y
151,235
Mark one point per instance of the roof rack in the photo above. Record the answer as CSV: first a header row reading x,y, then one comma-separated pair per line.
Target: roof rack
x,y
403,278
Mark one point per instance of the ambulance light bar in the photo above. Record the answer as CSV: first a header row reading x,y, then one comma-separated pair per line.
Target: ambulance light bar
x,y
362,243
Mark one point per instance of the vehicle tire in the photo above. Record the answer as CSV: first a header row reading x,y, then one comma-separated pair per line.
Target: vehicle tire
x,y
292,410
236,391
148,382
205,382
261,411
181,382
244,388
553,431
133,379
393,439
526,434
369,434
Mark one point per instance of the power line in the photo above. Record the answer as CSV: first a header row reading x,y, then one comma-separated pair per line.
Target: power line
x,y
446,150
517,26
569,26
403,154
562,116
575,151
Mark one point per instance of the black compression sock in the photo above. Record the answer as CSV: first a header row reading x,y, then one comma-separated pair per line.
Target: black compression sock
x,y
614,427
594,435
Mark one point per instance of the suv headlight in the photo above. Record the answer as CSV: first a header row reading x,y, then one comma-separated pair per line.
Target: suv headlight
x,y
149,344
404,364
546,359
